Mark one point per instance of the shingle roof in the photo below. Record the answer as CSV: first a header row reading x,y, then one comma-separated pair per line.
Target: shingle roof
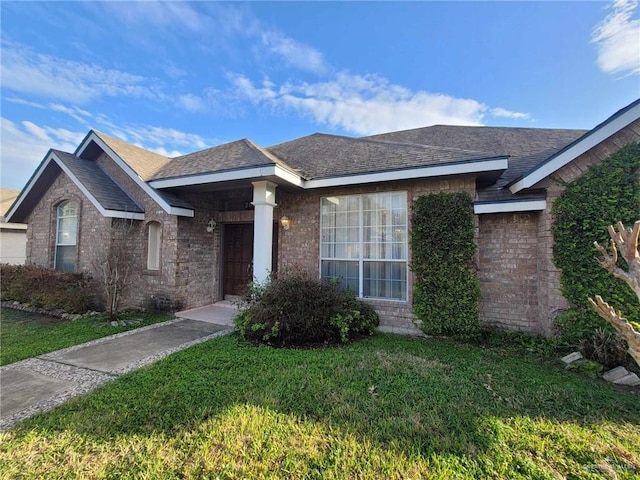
x,y
145,163
238,154
526,147
106,192
321,155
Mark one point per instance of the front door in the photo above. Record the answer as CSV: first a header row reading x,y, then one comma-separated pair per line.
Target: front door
x,y
238,258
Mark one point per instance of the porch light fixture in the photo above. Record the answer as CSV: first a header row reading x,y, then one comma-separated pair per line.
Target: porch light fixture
x,y
211,226
285,222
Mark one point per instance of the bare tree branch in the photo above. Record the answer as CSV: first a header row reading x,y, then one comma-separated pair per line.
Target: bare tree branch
x,y
625,241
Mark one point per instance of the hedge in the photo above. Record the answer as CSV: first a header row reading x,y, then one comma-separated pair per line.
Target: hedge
x,y
446,288
607,193
45,288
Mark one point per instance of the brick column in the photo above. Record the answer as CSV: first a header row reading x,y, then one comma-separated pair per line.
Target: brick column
x,y
264,199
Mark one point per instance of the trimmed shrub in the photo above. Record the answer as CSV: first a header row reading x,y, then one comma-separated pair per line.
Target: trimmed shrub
x,y
607,193
45,288
446,289
298,311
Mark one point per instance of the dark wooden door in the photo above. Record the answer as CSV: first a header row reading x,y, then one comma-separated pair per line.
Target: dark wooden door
x,y
238,258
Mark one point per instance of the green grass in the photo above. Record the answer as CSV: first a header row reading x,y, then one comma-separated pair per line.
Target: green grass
x,y
387,407
25,335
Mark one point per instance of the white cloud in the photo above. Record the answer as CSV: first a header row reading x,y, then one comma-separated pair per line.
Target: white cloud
x,y
503,112
26,71
152,137
617,39
293,53
24,146
363,105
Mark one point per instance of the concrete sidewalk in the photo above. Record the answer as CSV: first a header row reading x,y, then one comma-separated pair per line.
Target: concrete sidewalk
x,y
44,382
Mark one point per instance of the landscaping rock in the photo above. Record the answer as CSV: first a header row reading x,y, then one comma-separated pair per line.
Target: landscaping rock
x,y
572,357
615,374
630,379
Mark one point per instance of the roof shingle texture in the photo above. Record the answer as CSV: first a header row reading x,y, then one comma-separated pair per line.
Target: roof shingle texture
x,y
145,163
107,193
239,154
321,155
527,147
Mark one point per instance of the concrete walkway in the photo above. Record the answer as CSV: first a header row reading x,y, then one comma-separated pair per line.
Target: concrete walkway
x,y
44,382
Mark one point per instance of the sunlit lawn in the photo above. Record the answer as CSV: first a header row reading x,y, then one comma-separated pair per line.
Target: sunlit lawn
x,y
387,407
24,334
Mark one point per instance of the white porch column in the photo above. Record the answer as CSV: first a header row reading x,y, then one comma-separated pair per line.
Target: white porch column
x,y
264,199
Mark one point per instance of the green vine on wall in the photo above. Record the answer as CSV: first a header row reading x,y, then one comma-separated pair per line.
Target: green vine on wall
x,y
607,193
446,288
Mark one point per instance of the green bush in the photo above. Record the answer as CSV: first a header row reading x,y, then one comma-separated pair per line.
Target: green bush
x,y
298,310
45,288
607,193
446,288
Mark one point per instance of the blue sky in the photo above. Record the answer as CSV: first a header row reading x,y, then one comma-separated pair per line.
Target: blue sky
x,y
176,77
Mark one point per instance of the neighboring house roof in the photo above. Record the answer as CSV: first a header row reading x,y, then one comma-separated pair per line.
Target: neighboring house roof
x,y
145,163
7,197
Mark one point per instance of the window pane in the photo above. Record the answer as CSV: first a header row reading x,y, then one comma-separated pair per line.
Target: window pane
x,y
385,280
345,272
382,219
153,246
66,258
67,228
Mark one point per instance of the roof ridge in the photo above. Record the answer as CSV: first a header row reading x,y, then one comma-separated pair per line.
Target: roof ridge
x,y
425,146
146,165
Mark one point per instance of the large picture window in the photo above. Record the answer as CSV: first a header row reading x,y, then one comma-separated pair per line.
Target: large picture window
x,y
66,236
364,243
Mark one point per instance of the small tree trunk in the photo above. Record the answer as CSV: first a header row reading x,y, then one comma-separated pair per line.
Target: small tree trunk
x,y
626,241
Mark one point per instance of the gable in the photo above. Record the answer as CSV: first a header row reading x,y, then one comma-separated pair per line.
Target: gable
x,y
108,198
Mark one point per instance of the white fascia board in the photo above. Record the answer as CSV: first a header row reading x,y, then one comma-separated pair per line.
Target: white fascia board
x,y
588,141
25,193
181,212
506,207
134,176
230,175
103,211
289,177
13,226
410,173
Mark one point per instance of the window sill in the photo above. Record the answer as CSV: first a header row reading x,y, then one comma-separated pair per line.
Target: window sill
x,y
152,273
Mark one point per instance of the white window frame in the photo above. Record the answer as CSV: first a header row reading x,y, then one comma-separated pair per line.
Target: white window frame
x,y
154,242
71,242
361,260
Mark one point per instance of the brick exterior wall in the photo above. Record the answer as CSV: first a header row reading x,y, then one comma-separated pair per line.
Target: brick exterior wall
x,y
93,228
520,286
299,247
508,270
198,253
551,301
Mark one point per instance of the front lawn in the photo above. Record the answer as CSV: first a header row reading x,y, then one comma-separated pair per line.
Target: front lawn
x,y
25,335
387,407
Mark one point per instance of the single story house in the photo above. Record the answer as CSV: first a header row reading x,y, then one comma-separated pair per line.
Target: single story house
x,y
13,236
339,207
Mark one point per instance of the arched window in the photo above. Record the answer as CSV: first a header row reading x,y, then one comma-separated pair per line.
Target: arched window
x,y
153,247
66,236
